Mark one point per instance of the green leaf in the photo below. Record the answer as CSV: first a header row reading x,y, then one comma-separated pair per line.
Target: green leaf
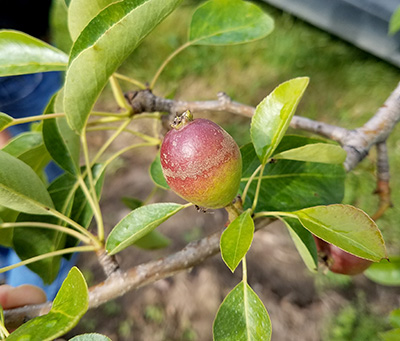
x,y
138,223
21,53
225,22
70,304
152,241
391,335
81,12
62,143
304,242
4,120
236,240
6,235
156,173
90,337
292,185
20,187
318,152
104,44
385,272
70,199
394,23
347,227
273,115
29,148
394,318
30,242
292,141
132,203
242,316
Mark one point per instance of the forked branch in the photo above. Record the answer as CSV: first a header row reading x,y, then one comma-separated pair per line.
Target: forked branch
x,y
357,142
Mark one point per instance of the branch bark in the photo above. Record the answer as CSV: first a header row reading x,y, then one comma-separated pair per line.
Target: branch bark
x,y
383,178
119,283
357,143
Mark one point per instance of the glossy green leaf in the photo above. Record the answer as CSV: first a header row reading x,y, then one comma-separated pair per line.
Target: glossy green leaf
x,y
70,304
90,337
292,141
30,242
347,227
4,120
156,173
138,223
58,103
242,317
6,235
70,199
225,22
318,152
21,53
391,335
29,147
236,240
62,143
273,115
20,187
304,242
385,272
152,241
394,23
292,185
81,12
104,44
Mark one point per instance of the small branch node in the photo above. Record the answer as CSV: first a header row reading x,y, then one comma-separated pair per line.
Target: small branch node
x,y
223,98
108,263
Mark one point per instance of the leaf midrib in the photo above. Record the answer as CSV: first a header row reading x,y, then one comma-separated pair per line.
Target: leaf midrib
x,y
106,31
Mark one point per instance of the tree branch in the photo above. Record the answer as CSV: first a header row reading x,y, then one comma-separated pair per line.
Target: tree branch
x,y
383,177
376,130
357,143
119,283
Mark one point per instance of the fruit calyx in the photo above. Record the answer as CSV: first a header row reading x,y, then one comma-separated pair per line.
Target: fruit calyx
x,y
182,120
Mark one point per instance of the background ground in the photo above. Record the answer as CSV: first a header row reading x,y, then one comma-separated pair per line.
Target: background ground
x,y
347,87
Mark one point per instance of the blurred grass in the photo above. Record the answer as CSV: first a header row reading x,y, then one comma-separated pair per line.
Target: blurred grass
x,y
355,322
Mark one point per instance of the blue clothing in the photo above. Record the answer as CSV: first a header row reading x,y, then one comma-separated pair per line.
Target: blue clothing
x,y
27,95
22,96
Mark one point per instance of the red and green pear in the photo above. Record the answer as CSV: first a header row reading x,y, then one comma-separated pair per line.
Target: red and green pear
x,y
201,162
